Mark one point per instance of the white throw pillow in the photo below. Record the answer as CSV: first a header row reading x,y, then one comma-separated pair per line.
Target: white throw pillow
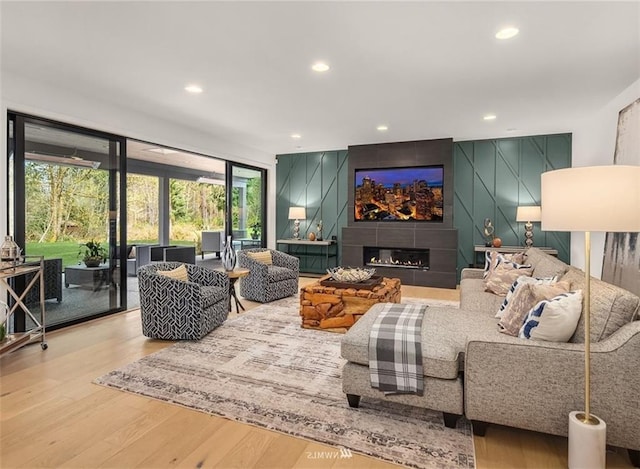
x,y
522,280
554,320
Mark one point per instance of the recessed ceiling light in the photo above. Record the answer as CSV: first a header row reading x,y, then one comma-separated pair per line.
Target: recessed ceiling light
x,y
507,33
320,67
195,89
382,128
296,136
489,117
162,151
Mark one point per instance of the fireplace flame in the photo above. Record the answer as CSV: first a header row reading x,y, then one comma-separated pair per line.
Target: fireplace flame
x,y
393,261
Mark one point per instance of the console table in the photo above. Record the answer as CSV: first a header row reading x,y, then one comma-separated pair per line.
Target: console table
x,y
327,249
480,249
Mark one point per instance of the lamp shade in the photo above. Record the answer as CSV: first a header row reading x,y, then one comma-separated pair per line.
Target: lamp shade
x,y
297,213
591,198
531,213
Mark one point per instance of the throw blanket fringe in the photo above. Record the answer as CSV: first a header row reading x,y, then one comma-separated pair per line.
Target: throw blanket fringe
x,y
395,349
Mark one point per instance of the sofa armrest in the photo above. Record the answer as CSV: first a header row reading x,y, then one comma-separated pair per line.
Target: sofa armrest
x,y
535,384
470,272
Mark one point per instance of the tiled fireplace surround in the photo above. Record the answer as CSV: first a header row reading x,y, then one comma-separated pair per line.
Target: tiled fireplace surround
x,y
440,238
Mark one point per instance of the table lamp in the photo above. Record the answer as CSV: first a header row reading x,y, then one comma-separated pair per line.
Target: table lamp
x,y
297,213
528,214
595,198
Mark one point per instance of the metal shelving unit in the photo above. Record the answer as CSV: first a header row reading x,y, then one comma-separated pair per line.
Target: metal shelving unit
x,y
13,341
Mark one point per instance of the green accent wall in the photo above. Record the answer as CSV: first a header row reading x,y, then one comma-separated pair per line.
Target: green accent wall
x,y
492,178
317,181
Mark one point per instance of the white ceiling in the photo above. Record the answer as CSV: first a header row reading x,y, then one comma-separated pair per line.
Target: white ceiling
x,y
425,69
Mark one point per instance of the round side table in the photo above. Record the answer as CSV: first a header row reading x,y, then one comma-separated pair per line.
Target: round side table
x,y
234,275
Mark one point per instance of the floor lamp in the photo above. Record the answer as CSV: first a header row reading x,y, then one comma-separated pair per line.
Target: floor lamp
x,y
595,198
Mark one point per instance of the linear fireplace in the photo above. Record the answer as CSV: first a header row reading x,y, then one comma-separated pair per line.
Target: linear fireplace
x,y
395,257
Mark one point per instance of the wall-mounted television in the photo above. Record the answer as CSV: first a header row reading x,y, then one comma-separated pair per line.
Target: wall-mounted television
x,y
411,194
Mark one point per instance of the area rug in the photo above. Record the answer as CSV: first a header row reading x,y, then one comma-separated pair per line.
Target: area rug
x,y
262,368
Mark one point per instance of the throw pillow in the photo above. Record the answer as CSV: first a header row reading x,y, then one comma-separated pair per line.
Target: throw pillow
x,y
132,253
503,276
179,273
493,258
521,281
525,298
264,257
554,320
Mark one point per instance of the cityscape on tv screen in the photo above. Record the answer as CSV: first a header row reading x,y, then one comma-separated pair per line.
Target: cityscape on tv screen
x,y
399,194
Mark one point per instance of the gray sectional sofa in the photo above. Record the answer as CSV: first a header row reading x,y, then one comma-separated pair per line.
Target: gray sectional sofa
x,y
473,369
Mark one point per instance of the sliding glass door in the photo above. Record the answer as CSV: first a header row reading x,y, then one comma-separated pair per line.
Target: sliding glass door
x,y
66,203
247,217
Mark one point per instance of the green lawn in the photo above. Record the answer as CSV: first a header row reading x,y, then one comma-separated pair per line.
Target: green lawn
x,y
68,250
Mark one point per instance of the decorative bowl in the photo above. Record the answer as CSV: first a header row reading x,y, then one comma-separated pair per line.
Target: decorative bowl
x,y
350,274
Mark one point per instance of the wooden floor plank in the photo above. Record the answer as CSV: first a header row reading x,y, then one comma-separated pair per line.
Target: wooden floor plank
x,y
52,415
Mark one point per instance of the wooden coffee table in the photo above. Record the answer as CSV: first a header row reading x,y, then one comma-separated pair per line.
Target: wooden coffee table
x,y
337,309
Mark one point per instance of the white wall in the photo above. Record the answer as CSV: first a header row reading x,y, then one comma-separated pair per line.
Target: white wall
x,y
38,98
594,141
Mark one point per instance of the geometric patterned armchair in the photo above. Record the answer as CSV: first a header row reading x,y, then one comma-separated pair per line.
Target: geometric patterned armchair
x,y
265,282
173,309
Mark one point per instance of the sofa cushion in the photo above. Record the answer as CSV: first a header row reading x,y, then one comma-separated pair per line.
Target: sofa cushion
x,y
611,306
473,297
493,258
523,300
444,338
278,274
519,282
264,257
503,276
179,273
212,294
545,265
553,320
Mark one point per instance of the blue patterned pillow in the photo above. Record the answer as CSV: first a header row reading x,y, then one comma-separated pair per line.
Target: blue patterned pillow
x,y
554,320
493,258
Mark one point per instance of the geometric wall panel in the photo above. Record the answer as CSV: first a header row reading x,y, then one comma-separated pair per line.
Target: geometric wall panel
x,y
492,178
318,182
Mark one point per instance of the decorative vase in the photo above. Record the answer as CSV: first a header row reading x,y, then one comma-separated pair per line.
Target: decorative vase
x,y
228,255
312,236
497,242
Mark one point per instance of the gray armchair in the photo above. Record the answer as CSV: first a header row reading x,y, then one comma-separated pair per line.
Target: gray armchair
x,y
173,309
267,283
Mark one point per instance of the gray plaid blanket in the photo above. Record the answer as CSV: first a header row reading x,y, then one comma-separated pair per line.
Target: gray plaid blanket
x,y
395,350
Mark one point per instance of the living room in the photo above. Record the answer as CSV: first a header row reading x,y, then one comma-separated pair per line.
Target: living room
x,y
562,81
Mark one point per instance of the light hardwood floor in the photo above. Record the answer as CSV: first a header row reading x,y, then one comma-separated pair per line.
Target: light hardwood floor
x,y
51,415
